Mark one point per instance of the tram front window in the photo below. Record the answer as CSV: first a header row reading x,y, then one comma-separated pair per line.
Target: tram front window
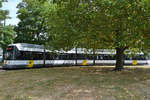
x,y
9,53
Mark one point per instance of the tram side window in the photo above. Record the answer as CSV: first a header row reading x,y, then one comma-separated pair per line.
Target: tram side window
x,y
106,57
134,58
111,57
52,56
100,57
91,57
49,56
55,57
37,56
127,57
19,56
64,57
61,56
71,57
81,56
26,55
137,57
9,53
140,57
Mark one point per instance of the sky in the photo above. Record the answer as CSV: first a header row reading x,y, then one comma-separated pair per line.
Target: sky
x,y
11,6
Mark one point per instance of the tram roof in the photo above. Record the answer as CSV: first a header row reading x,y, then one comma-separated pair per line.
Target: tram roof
x,y
28,47
40,48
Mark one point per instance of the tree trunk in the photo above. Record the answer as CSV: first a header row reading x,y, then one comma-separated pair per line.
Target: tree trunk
x,y
119,59
4,51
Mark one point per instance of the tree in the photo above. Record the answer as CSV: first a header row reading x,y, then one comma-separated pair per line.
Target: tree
x,y
31,28
3,13
122,25
7,34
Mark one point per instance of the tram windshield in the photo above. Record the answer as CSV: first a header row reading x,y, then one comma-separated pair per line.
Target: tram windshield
x,y
9,53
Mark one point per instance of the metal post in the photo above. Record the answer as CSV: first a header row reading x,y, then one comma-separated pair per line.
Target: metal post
x,y
44,57
93,56
76,56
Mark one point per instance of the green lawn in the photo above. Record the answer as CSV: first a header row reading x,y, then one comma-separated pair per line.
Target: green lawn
x,y
75,83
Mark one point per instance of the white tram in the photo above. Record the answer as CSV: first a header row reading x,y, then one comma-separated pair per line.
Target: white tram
x,y
23,55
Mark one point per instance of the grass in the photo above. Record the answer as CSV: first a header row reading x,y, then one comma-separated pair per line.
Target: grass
x,y
75,83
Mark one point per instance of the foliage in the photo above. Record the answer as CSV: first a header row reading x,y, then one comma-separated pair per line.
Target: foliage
x,y
3,13
107,23
31,28
7,36
69,26
7,33
111,24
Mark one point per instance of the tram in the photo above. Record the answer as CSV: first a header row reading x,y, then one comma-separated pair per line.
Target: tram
x,y
23,55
